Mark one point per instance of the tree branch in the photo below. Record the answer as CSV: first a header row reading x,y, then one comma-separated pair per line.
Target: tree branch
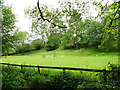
x,y
41,15
102,10
114,16
53,17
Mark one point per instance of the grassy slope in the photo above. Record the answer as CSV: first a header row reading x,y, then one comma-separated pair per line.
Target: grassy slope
x,y
71,58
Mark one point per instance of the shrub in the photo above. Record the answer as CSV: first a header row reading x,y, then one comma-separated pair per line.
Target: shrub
x,y
113,78
37,44
39,81
29,78
62,81
12,78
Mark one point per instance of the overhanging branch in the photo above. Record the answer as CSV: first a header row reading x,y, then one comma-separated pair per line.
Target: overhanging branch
x,y
114,16
41,15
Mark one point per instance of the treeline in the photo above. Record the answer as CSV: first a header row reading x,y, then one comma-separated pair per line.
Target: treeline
x,y
101,33
91,35
36,44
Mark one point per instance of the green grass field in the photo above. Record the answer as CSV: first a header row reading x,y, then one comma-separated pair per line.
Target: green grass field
x,y
82,58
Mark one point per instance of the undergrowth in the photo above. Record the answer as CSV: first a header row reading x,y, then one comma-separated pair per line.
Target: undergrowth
x,y
13,77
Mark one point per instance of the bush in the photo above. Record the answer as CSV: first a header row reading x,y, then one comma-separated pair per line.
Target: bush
x,y
20,49
114,77
12,78
23,78
37,44
39,81
53,44
62,81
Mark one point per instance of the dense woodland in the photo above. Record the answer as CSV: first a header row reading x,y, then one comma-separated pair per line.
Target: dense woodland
x,y
66,27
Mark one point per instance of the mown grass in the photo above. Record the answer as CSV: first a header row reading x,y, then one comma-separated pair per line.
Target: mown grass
x,y
82,58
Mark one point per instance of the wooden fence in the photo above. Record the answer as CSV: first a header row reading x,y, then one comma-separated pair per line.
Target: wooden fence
x,y
104,71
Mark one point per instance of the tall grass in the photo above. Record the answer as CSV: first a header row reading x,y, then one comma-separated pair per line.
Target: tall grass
x,y
14,77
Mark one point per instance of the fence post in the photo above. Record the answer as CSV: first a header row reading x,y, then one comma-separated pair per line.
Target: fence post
x,y
8,66
21,67
63,71
104,75
39,70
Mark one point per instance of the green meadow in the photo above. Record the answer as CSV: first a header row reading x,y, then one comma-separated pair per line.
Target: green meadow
x,y
82,58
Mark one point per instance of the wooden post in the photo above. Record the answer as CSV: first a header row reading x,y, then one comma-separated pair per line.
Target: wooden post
x,y
21,67
8,66
39,70
104,75
63,71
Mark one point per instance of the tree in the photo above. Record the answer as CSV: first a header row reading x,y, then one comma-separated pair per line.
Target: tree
x,y
73,20
109,14
20,40
93,33
37,44
20,37
0,31
8,24
23,48
53,40
45,19
67,20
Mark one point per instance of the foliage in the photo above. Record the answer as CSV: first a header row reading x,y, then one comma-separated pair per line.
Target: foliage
x,y
23,48
11,36
29,78
27,47
62,81
102,33
13,78
38,26
37,44
20,44
68,16
53,40
20,37
114,77
25,79
39,82
1,16
93,34
8,24
110,17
